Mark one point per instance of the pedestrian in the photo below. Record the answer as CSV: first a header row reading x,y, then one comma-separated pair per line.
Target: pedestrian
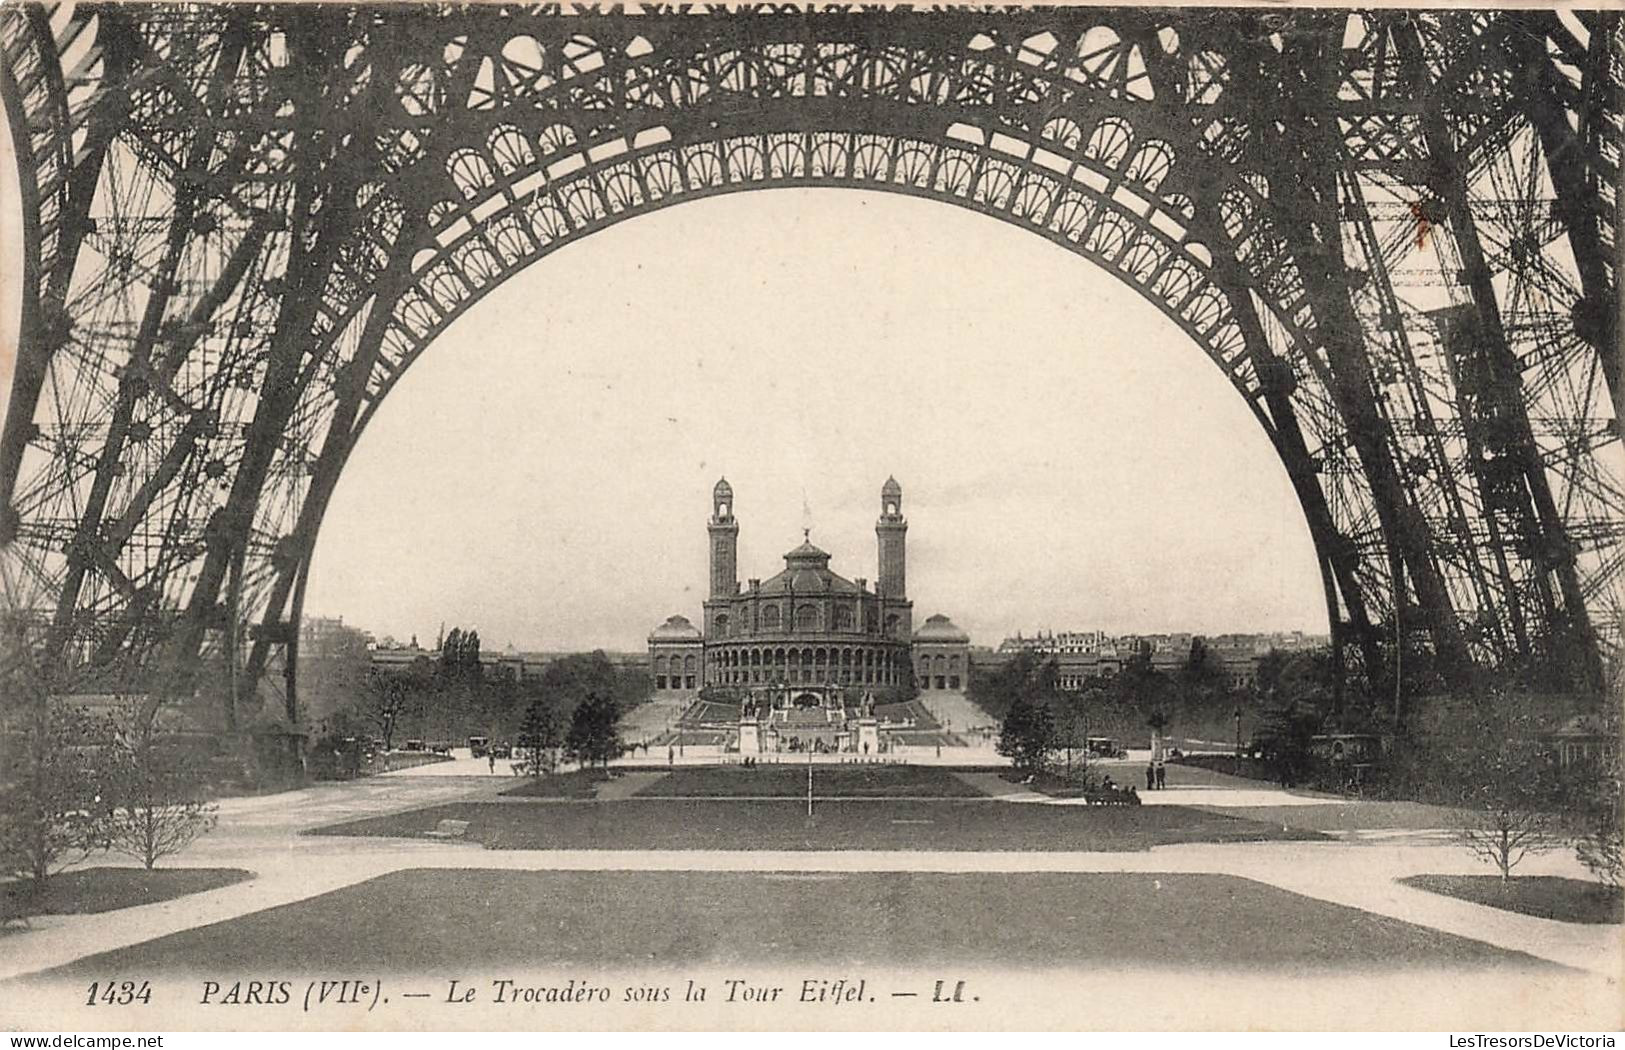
x,y
1150,776
491,762
1162,776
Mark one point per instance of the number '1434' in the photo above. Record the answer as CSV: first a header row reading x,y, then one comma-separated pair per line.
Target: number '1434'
x,y
118,993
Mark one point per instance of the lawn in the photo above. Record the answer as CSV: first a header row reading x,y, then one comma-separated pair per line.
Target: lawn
x,y
577,783
90,890
484,921
1543,896
790,781
854,824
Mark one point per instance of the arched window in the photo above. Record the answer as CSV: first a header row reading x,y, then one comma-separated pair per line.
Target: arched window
x,y
688,665
770,618
892,623
843,618
807,618
722,625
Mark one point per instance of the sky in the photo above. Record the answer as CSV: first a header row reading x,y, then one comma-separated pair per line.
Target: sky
x,y
1069,459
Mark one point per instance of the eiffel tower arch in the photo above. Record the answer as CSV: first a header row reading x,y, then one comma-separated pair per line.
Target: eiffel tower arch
x,y
1393,231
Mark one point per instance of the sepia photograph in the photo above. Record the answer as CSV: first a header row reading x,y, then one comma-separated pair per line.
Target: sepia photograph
x,y
811,517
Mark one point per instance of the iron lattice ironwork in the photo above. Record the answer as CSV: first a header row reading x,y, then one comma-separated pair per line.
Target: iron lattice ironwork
x,y
1394,231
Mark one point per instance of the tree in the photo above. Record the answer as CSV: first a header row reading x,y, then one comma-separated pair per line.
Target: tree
x,y
451,651
51,810
1202,665
1267,675
1027,736
1158,722
1600,845
1072,728
460,655
334,664
1027,675
594,734
156,789
1285,736
1598,817
1138,664
386,699
1140,685
1507,784
539,735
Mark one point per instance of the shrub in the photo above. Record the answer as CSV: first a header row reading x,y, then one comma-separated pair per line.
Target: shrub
x,y
52,812
156,791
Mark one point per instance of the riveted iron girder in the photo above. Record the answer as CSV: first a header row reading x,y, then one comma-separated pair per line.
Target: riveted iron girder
x,y
245,223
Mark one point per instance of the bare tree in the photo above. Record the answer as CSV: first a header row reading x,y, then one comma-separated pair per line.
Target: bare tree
x,y
540,735
1508,786
157,792
387,697
1504,833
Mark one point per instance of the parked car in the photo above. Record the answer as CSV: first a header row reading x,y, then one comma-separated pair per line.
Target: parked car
x,y
414,745
478,745
501,750
1105,747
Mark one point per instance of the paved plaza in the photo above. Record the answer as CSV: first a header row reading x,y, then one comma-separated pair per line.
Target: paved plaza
x,y
1338,869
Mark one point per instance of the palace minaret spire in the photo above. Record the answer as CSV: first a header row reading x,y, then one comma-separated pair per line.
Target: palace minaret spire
x,y
724,529
890,531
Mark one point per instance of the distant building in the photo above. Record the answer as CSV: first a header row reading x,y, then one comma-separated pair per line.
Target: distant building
x,y
511,663
941,655
1082,655
806,625
677,656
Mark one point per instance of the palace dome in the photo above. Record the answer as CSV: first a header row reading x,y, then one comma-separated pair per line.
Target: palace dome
x,y
807,552
941,629
806,571
675,629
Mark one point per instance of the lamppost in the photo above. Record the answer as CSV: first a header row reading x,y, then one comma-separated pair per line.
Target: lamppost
x,y
1071,732
1238,741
